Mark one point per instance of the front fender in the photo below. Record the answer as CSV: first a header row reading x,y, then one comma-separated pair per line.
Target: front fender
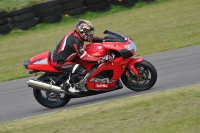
x,y
132,63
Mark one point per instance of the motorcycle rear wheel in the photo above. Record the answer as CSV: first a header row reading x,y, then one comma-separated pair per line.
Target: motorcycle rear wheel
x,y
144,80
49,99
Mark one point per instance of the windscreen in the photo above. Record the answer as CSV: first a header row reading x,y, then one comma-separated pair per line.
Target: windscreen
x,y
113,37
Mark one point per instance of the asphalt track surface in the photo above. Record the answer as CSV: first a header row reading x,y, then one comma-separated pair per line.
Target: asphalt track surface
x,y
176,68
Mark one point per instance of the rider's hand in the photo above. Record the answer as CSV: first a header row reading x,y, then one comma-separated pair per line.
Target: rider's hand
x,y
101,60
96,39
105,59
110,58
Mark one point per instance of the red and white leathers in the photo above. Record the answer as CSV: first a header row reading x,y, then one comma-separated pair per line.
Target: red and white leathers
x,y
68,49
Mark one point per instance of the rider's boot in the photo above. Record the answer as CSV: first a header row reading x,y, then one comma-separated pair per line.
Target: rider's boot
x,y
74,81
73,89
72,84
65,86
69,86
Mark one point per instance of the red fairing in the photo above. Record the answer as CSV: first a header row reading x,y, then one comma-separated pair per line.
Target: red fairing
x,y
101,49
96,49
114,45
42,62
87,65
118,66
40,56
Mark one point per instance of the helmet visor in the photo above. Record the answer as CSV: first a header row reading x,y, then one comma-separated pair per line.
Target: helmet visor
x,y
90,33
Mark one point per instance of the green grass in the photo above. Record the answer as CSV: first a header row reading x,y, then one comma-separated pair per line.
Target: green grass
x,y
9,5
154,28
171,111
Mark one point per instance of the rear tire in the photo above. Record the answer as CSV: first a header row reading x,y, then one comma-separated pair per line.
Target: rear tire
x,y
144,81
46,101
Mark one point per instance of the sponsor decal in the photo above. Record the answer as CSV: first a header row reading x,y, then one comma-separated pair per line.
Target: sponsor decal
x,y
97,85
41,62
104,80
99,47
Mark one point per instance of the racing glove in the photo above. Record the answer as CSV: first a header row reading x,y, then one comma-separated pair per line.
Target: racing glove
x,y
105,59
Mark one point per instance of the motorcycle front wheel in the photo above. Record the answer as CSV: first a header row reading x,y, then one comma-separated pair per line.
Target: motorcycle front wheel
x,y
50,99
146,78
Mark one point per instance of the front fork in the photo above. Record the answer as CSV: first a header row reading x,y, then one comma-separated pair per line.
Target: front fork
x,y
131,65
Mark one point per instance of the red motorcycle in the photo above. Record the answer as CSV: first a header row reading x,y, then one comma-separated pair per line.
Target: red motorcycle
x,y
136,74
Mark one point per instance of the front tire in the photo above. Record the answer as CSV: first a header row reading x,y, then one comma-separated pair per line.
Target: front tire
x,y
146,78
49,99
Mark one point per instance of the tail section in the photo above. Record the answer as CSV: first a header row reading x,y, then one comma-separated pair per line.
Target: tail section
x,y
40,62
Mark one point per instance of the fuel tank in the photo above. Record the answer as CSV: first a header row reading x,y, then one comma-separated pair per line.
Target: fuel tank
x,y
96,49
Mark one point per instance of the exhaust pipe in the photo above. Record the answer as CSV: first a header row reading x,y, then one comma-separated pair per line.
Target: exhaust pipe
x,y
44,86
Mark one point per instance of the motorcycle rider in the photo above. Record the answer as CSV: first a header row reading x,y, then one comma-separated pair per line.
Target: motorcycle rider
x,y
69,48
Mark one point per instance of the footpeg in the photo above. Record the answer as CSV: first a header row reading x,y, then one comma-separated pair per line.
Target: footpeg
x,y
65,86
